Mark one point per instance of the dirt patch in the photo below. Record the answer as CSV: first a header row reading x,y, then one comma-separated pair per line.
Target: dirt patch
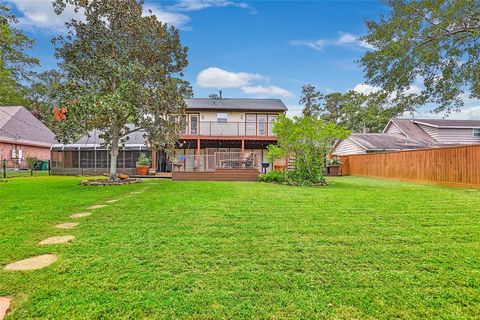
x,y
109,183
98,206
34,263
67,225
57,240
4,306
80,215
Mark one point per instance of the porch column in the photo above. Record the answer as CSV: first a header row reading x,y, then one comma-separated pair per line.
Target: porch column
x,y
198,154
154,158
243,147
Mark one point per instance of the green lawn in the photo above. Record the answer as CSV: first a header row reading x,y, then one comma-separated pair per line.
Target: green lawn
x,y
358,248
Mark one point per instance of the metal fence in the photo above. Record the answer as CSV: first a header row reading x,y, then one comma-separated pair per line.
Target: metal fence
x,y
14,169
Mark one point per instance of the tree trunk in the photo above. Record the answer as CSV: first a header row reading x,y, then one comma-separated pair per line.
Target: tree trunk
x,y
113,158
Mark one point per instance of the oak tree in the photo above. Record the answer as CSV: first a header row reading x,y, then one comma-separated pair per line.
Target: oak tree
x,y
120,65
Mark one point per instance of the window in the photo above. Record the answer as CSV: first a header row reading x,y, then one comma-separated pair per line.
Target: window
x,y
476,132
193,124
222,117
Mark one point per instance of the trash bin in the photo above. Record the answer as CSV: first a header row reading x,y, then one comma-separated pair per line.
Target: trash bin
x,y
44,166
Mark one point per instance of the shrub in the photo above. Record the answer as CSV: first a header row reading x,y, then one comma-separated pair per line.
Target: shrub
x,y
143,160
334,161
272,176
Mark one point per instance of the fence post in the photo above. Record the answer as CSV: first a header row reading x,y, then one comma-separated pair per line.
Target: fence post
x,y
48,167
4,167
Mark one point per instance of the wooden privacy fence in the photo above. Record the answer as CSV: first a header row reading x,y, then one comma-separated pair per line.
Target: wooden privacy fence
x,y
459,165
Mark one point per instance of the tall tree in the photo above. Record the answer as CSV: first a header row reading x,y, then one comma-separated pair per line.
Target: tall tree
x,y
311,100
436,42
120,65
42,95
360,112
15,64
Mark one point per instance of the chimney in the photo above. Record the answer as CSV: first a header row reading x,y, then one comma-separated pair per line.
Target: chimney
x,y
220,94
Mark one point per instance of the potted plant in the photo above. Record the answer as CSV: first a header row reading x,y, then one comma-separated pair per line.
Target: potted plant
x,y
143,164
333,166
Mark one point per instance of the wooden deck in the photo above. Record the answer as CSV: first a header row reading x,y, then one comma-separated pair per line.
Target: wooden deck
x,y
218,175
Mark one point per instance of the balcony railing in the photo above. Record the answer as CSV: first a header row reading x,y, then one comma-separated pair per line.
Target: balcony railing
x,y
219,160
235,129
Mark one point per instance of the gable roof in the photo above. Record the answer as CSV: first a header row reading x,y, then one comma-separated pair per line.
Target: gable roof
x,y
386,141
411,130
19,126
235,104
447,123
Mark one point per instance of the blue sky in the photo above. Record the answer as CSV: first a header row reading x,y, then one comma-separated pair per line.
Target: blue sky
x,y
264,49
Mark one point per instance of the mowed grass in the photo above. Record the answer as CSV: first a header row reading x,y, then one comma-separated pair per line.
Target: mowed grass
x,y
359,248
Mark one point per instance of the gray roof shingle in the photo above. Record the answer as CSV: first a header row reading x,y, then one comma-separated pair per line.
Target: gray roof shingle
x,y
228,104
386,141
449,123
412,131
20,126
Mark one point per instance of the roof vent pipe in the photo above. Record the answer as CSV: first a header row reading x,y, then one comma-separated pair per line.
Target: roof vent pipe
x,y
220,94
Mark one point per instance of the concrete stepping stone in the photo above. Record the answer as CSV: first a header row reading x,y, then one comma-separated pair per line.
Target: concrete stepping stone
x,y
57,240
98,206
113,201
4,305
34,263
80,215
67,225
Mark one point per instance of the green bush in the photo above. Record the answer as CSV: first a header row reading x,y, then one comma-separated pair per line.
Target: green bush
x,y
272,176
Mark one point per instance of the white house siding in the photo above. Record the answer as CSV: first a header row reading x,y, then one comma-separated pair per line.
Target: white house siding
x,y
431,131
348,147
392,128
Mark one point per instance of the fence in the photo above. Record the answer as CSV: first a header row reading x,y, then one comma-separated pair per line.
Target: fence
x,y
460,164
219,160
10,169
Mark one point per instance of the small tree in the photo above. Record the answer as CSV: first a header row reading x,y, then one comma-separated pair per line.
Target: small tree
x,y
309,141
120,66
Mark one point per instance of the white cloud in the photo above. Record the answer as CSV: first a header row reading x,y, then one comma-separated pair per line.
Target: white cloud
x,y
315,44
219,78
40,14
344,39
194,5
365,88
350,39
178,20
268,91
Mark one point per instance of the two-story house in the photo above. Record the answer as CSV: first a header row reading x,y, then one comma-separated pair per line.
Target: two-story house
x,y
218,135
405,134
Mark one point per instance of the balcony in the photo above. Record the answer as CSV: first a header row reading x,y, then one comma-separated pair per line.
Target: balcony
x,y
228,129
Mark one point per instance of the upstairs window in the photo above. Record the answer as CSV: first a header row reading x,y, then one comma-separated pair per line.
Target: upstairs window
x,y
222,117
476,132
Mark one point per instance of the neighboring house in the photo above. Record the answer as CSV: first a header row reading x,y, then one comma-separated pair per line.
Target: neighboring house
x,y
22,136
218,132
404,134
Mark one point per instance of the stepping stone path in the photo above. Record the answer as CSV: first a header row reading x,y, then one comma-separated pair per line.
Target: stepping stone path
x,y
113,201
4,305
34,263
98,206
57,240
80,215
67,225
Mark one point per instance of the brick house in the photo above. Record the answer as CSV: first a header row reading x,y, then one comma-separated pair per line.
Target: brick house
x,y
22,136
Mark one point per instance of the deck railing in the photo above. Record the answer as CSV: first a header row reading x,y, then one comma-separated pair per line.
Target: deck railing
x,y
235,129
219,160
